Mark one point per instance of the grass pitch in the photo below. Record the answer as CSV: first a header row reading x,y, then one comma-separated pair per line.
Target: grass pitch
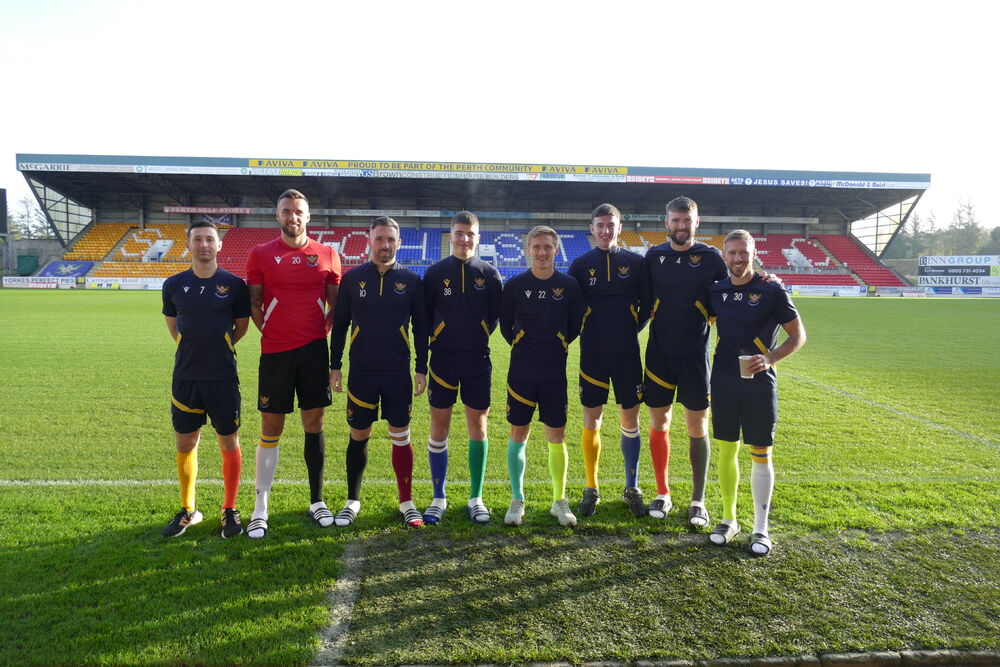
x,y
885,514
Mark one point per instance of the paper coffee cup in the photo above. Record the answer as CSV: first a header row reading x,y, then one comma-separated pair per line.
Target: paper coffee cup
x,y
744,366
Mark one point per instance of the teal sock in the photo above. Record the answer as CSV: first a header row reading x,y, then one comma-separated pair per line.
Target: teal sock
x,y
516,460
478,449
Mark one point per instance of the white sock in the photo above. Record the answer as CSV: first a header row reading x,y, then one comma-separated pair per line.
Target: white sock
x,y
475,501
266,463
354,506
698,503
440,502
408,505
316,506
761,484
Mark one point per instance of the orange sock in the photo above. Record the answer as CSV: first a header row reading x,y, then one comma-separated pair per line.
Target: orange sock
x,y
659,450
232,466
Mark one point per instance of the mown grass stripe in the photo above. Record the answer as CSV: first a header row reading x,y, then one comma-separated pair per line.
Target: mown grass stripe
x,y
896,411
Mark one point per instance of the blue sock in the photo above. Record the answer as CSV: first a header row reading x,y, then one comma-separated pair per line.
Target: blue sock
x,y
631,448
516,461
437,452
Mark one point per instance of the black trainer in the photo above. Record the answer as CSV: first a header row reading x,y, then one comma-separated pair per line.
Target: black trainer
x,y
633,498
231,524
588,505
180,523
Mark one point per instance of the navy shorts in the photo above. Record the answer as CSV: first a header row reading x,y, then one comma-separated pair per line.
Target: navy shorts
x,y
304,371
193,402
599,372
448,373
755,413
365,391
549,395
683,374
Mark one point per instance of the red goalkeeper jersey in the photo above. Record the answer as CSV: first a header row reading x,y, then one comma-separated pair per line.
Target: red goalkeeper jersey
x,y
294,284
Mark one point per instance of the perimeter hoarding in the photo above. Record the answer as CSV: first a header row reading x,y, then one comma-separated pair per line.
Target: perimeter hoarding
x,y
959,271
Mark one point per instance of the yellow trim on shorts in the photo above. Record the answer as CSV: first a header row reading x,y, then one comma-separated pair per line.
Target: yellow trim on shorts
x,y
437,331
760,345
662,383
563,339
518,337
229,342
183,408
354,398
520,398
442,382
178,339
603,385
355,333
486,329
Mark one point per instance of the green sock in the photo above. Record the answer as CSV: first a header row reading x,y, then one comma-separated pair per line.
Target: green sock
x,y
478,449
516,461
729,477
558,468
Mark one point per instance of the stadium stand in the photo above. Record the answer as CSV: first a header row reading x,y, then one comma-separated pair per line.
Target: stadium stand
x,y
835,279
117,269
164,243
783,251
859,261
98,241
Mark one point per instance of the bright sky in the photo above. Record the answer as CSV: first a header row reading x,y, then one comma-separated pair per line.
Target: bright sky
x,y
849,86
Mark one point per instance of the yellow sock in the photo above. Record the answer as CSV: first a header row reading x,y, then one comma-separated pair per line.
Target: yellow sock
x,y
187,473
591,442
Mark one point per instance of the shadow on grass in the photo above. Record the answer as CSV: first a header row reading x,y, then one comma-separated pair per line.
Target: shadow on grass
x,y
432,599
127,595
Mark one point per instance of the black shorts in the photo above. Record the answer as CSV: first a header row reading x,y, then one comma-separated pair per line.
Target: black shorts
x,y
304,371
549,395
365,391
598,372
193,402
683,374
447,373
755,413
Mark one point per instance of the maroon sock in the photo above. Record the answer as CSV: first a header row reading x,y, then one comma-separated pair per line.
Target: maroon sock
x,y
402,465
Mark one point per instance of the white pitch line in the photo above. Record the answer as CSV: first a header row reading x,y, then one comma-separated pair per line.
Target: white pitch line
x,y
901,413
341,599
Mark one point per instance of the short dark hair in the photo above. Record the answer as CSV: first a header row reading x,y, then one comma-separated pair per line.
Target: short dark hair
x,y
606,209
682,204
196,224
293,194
465,218
740,234
383,221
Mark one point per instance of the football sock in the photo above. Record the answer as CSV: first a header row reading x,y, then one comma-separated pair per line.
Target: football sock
x,y
659,450
729,477
591,444
402,463
354,506
437,453
478,450
700,451
516,461
232,467
314,453
187,473
558,468
357,461
631,448
762,485
266,464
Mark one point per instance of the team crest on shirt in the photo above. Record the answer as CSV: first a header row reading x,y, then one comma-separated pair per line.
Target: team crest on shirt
x,y
264,401
312,260
623,271
222,291
479,283
557,293
399,288
754,298
694,260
